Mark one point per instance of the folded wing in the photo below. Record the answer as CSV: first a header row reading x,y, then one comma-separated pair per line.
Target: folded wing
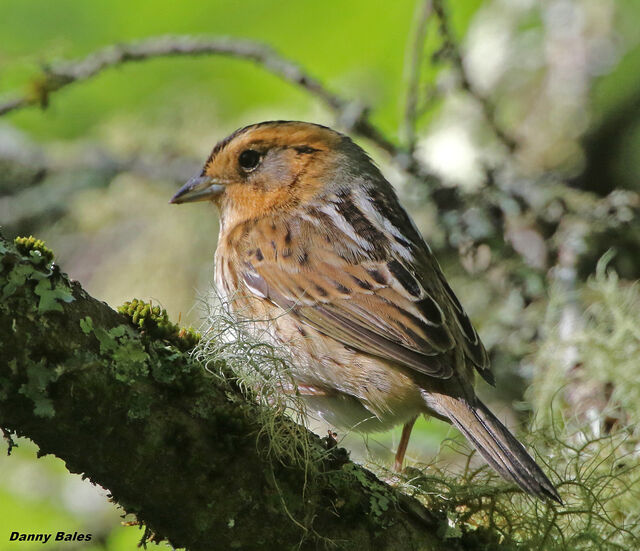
x,y
381,304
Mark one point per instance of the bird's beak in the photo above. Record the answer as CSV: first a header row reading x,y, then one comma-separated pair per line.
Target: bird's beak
x,y
198,188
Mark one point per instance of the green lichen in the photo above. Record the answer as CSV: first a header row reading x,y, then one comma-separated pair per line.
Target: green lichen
x,y
130,359
380,497
15,279
51,295
48,285
39,375
171,367
35,248
154,321
86,325
134,358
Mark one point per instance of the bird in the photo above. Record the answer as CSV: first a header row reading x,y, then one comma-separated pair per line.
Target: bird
x,y
315,246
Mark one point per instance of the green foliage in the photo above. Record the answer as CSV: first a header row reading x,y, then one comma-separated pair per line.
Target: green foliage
x,y
155,321
372,69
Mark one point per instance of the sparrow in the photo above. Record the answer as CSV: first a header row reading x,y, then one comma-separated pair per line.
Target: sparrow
x,y
316,248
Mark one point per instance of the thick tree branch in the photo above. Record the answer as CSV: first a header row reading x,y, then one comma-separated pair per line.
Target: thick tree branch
x,y
174,445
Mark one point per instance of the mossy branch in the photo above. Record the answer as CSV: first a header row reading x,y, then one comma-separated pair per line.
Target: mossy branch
x,y
177,447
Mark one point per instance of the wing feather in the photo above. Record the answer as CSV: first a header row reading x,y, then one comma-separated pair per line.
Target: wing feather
x,y
375,300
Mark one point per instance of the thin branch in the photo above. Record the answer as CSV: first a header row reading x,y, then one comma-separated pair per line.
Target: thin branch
x,y
354,117
414,64
14,104
452,50
351,115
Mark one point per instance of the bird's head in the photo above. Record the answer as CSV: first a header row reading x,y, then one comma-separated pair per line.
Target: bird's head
x,y
271,166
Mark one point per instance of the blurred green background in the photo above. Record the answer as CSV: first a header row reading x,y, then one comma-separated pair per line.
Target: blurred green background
x,y
92,174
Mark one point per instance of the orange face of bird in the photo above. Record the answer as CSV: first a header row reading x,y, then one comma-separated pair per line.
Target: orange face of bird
x,y
264,168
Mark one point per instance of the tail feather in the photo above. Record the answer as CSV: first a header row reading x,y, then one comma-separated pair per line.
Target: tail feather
x,y
497,445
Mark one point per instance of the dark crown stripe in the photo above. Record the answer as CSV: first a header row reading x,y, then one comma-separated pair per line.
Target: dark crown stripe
x,y
224,143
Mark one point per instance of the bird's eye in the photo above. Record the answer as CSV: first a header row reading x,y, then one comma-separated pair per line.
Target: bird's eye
x,y
249,159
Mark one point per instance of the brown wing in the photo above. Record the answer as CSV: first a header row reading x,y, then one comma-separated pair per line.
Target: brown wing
x,y
374,301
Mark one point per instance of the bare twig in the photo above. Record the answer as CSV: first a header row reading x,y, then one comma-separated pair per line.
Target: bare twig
x,y
452,50
14,104
413,66
351,115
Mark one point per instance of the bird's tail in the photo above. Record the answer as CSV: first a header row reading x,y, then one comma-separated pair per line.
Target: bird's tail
x,y
497,445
